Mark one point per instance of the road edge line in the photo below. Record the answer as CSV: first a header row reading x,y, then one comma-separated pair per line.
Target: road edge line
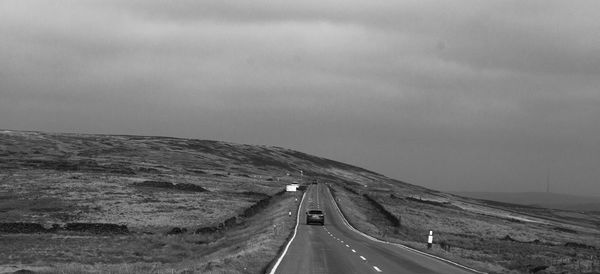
x,y
397,244
291,240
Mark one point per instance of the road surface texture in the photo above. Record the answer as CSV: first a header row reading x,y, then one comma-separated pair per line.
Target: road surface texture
x,y
335,248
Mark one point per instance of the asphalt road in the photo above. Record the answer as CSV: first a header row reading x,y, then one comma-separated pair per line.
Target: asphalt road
x,y
335,248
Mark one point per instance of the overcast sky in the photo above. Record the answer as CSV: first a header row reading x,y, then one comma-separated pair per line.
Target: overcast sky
x,y
452,95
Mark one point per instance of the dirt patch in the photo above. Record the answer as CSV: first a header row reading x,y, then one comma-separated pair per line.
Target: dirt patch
x,y
97,228
24,271
177,230
167,185
538,269
562,229
24,228
207,230
579,245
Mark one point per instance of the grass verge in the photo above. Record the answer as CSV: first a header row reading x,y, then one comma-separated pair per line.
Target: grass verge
x,y
245,248
475,240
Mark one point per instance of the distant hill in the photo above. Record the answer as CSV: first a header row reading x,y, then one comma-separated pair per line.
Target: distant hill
x,y
540,199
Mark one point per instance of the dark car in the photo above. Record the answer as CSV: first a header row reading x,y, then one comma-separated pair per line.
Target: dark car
x,y
315,217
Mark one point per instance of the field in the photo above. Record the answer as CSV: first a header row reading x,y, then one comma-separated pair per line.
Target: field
x,y
79,203
184,209
494,237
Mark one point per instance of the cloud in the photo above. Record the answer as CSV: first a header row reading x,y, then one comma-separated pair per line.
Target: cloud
x,y
462,92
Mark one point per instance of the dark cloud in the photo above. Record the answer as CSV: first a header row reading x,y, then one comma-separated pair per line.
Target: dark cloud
x,y
494,95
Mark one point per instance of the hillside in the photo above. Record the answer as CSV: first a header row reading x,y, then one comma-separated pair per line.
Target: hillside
x,y
213,194
72,203
541,199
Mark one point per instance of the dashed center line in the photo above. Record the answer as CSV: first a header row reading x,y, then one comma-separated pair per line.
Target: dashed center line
x,y
354,251
348,246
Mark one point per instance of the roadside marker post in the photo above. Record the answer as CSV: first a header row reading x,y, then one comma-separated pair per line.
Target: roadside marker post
x,y
430,239
348,225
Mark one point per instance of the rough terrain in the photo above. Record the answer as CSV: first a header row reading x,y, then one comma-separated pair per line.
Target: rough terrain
x,y
72,203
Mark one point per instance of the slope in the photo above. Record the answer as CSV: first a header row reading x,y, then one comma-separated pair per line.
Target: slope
x,y
201,205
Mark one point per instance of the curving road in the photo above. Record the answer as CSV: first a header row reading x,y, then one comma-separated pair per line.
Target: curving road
x,y
336,248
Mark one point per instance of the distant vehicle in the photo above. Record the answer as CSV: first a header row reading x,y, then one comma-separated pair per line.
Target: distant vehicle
x,y
315,216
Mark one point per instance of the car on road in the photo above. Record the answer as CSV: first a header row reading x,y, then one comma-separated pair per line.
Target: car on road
x,y
315,216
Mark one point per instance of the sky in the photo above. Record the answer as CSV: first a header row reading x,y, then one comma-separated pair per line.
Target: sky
x,y
451,95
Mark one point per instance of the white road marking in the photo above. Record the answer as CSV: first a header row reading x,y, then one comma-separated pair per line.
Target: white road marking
x,y
363,258
342,241
347,224
291,240
377,268
353,250
347,246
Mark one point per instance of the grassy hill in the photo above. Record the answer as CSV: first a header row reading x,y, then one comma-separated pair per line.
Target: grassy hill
x,y
74,203
186,204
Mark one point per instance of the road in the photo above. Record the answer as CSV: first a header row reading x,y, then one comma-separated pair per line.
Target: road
x,y
335,248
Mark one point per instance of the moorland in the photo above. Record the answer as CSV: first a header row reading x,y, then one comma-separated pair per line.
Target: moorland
x,y
76,203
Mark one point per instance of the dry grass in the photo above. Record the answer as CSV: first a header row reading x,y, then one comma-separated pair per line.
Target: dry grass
x,y
46,198
57,178
477,238
235,251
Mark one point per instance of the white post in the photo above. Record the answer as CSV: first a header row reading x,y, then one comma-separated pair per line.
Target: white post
x,y
430,239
